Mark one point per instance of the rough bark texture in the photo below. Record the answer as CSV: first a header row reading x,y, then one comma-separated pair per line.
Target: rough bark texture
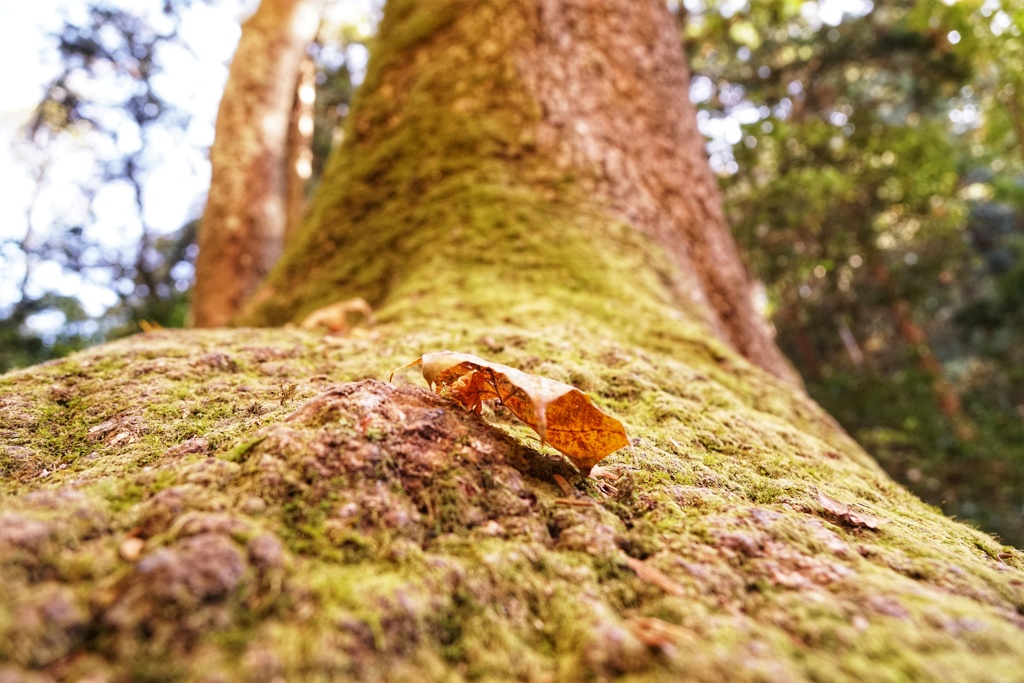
x,y
258,505
613,87
242,230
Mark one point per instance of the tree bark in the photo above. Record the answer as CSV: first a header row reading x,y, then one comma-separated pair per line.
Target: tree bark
x,y
614,88
597,92
243,226
258,504
300,147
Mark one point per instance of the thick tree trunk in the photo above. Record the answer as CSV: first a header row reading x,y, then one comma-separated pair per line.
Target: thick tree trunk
x,y
258,505
246,214
570,99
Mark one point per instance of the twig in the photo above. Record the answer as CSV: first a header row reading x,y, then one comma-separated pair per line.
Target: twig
x,y
575,503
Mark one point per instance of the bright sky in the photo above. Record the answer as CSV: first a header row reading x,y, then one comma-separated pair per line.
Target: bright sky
x,y
173,190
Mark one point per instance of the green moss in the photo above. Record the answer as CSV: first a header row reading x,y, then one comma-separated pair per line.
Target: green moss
x,y
238,453
387,533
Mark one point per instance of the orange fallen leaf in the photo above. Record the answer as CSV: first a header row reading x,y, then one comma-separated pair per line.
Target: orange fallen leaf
x,y
561,414
845,514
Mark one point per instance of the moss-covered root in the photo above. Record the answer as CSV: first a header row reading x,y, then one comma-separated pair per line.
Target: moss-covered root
x,y
252,505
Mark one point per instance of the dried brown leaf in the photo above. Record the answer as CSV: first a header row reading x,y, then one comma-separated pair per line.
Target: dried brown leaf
x,y
561,414
846,515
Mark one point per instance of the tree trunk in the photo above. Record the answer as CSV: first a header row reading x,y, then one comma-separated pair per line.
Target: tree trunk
x,y
300,147
258,505
243,226
575,103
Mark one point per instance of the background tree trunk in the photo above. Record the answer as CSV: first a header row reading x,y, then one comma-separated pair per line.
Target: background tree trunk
x,y
300,146
243,226
253,504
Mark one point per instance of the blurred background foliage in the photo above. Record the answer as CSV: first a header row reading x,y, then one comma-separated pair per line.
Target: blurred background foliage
x,y
871,158
872,162
112,98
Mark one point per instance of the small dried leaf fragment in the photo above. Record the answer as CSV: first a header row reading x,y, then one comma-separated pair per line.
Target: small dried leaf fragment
x,y
338,317
653,576
846,515
656,633
561,414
